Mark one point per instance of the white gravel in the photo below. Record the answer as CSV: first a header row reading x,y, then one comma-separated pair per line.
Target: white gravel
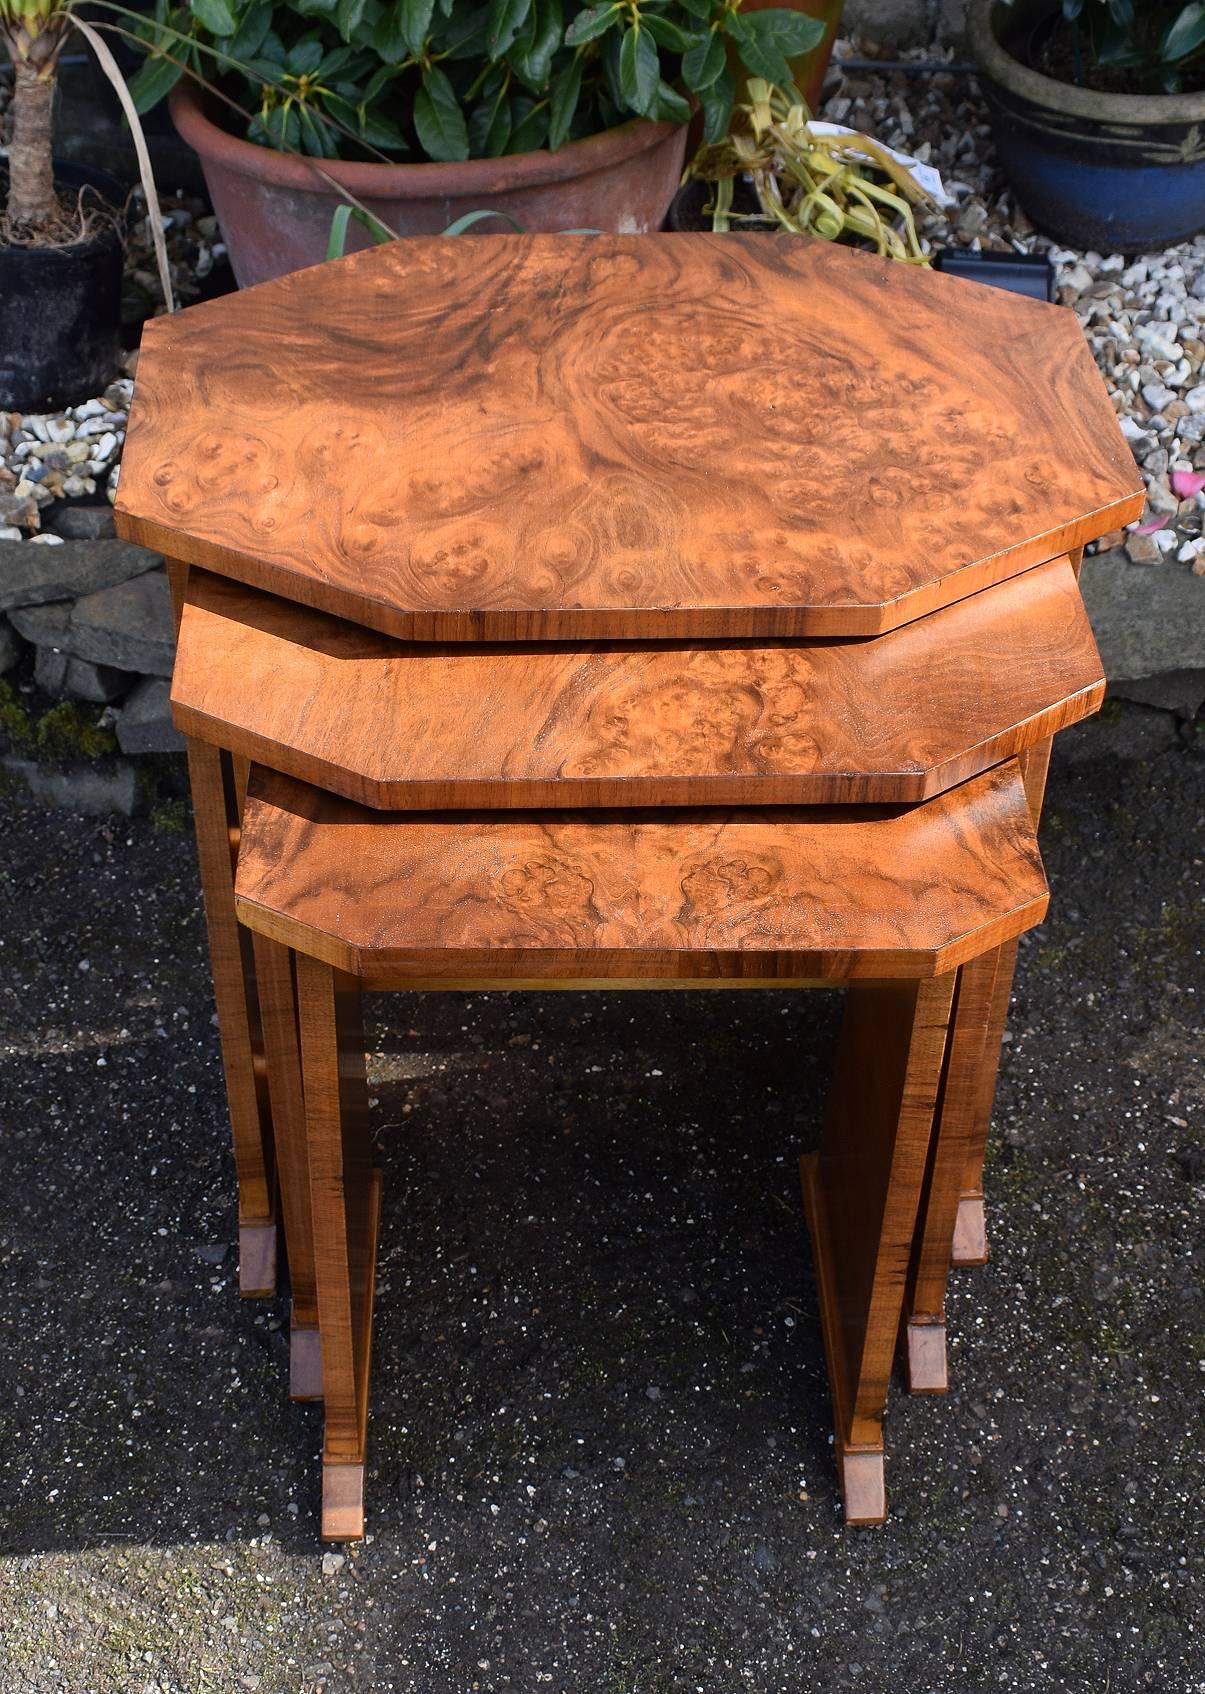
x,y
1144,317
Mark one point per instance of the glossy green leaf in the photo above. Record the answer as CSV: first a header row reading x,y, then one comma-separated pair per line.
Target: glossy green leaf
x,y
765,39
343,111
506,19
389,36
530,129
154,78
380,131
348,14
703,61
416,18
1187,32
717,102
664,31
335,62
304,57
265,71
278,128
566,89
463,35
532,58
216,16
489,127
613,90
316,138
594,21
670,107
252,31
639,70
378,81
439,119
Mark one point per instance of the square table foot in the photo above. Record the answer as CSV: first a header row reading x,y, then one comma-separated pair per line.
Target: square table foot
x,y
342,1501
859,1469
970,1232
863,1490
257,1260
305,1362
925,1357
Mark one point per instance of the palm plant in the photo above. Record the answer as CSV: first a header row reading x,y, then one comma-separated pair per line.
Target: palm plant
x,y
33,33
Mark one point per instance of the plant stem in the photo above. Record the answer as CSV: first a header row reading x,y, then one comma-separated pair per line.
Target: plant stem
x,y
31,198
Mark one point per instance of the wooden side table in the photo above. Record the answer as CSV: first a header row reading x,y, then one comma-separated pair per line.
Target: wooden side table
x,y
888,903
557,440
398,725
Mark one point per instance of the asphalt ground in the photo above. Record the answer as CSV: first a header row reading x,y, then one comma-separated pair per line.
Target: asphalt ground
x,y
600,1453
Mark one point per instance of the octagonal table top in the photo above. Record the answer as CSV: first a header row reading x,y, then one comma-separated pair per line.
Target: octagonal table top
x,y
412,726
608,437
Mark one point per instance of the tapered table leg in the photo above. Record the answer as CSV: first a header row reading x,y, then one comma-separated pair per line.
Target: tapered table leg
x,y
238,1018
952,1152
278,1011
862,1194
970,1230
345,1206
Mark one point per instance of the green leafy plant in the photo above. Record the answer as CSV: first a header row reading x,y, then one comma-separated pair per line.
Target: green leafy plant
x,y
446,80
833,186
1152,43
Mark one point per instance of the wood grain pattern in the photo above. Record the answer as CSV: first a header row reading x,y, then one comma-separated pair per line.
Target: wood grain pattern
x,y
393,724
277,998
970,1229
862,1193
345,1206
798,893
968,1056
969,1246
606,438
238,1026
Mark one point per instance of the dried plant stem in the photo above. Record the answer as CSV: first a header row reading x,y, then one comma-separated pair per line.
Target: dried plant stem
x,y
109,66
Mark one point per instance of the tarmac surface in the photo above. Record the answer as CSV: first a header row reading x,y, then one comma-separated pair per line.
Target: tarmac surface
x,y
600,1454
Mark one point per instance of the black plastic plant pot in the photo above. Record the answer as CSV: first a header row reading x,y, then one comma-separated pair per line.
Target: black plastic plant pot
x,y
60,311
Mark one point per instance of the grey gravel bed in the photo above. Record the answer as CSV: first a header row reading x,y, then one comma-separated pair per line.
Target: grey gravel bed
x,y
600,1455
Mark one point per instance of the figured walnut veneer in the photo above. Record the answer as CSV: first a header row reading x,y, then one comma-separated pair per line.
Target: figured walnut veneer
x,y
558,437
803,894
392,724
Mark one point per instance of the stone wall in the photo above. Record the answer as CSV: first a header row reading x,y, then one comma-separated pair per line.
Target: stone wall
x,y
85,620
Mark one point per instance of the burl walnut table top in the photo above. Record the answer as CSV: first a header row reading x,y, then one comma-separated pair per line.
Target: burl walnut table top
x,y
813,894
571,437
406,725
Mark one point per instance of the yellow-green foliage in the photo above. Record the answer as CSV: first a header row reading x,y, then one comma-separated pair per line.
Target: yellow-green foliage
x,y
65,732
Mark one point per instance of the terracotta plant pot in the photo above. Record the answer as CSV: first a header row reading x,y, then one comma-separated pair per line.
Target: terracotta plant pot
x,y
1120,173
275,210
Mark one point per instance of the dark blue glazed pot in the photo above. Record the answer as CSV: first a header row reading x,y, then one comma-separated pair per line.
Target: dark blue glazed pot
x,y
1111,172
